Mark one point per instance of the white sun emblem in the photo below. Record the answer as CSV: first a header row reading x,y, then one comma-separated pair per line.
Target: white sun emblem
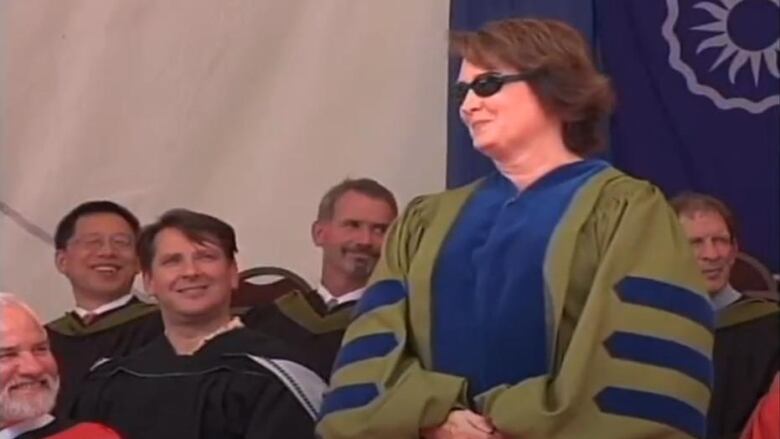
x,y
729,47
758,53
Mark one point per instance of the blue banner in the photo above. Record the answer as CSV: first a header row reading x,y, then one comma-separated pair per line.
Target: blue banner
x,y
699,103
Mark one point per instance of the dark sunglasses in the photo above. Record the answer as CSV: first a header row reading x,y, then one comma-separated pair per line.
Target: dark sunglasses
x,y
484,85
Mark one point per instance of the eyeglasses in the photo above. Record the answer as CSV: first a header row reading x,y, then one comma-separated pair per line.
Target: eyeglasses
x,y
484,85
119,241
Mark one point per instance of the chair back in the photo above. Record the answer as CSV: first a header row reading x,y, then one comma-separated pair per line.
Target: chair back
x,y
255,288
752,278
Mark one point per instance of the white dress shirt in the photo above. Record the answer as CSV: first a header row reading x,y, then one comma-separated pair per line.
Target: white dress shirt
x,y
102,309
20,428
725,297
333,301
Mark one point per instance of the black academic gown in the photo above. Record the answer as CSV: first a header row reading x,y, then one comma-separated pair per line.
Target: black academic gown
x,y
217,393
303,321
746,356
78,346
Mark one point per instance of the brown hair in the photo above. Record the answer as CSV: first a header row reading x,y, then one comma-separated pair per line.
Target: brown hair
x,y
688,203
365,186
560,68
197,227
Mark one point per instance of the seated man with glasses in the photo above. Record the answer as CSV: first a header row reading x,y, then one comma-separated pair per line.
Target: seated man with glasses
x,y
95,250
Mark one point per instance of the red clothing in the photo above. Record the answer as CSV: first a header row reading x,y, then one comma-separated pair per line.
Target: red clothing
x,y
86,430
765,421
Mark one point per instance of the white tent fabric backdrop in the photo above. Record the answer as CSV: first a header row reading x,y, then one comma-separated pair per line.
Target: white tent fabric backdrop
x,y
245,109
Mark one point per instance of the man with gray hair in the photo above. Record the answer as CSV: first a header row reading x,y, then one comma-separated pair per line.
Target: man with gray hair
x,y
29,381
352,219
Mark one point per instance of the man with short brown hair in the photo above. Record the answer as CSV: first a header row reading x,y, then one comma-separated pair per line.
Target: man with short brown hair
x,y
746,353
352,219
207,376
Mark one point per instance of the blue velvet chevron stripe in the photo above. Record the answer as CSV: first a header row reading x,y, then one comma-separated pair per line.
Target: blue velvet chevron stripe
x,y
364,348
382,293
667,297
488,301
653,407
661,353
348,397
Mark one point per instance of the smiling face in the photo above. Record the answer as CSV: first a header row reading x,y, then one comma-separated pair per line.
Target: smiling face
x,y
511,117
351,241
192,281
100,259
714,247
28,372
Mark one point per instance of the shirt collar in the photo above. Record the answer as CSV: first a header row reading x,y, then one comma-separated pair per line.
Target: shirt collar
x,y
20,428
234,323
725,297
102,309
333,301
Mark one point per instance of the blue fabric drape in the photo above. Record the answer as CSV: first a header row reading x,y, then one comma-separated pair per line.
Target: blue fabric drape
x,y
685,121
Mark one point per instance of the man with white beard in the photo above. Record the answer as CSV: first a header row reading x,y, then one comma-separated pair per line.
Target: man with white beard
x,y
29,381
